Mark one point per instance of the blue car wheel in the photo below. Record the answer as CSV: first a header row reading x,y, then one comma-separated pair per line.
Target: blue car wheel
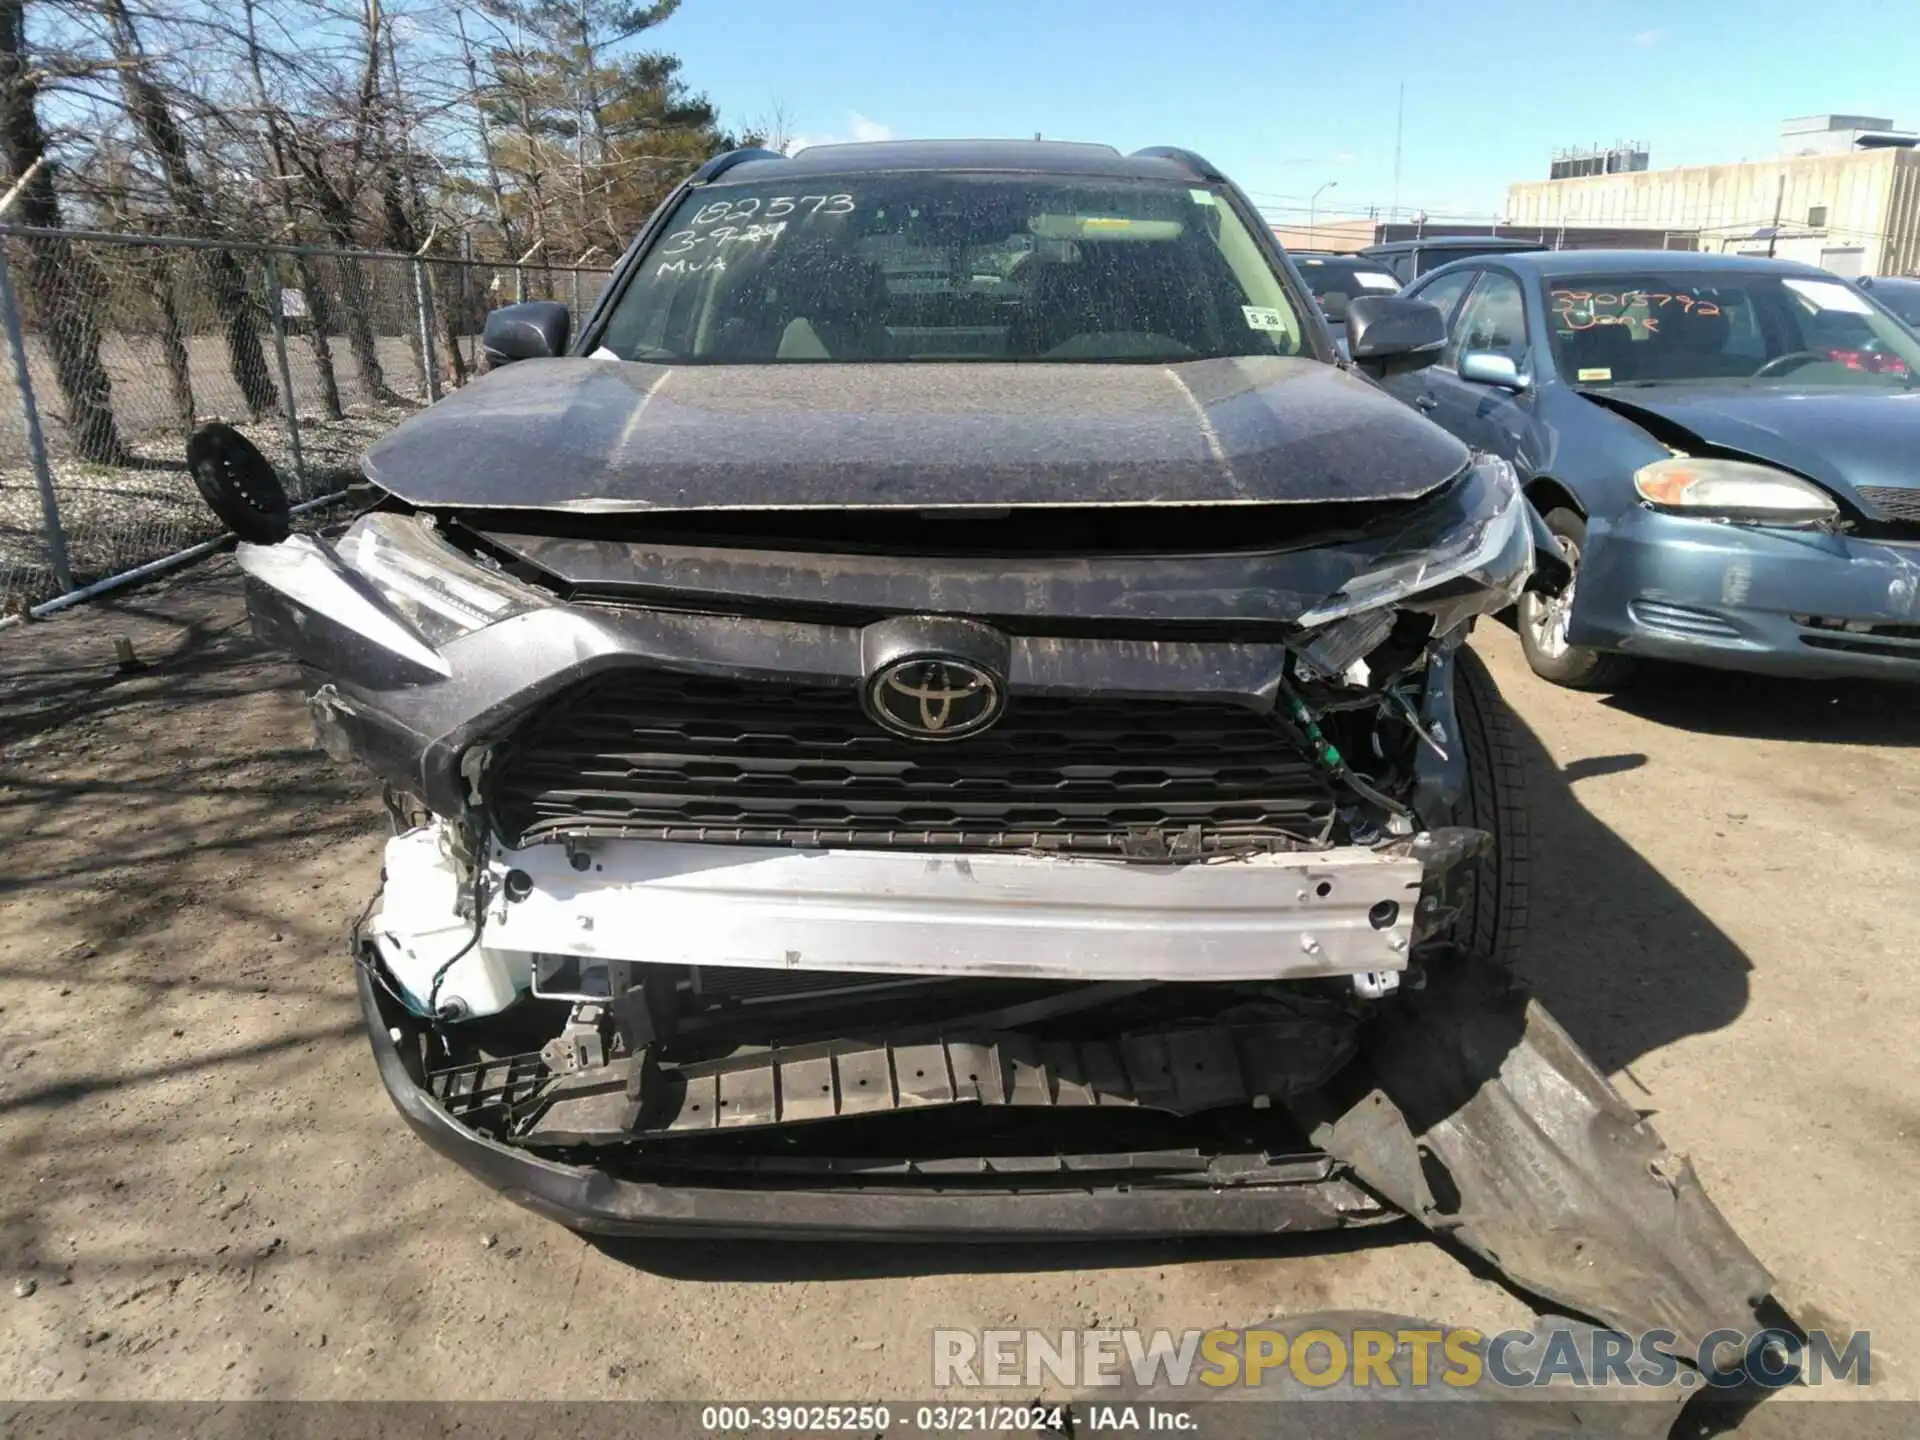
x,y
1544,618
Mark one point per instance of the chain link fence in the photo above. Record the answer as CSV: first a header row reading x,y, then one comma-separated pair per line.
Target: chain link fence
x,y
119,346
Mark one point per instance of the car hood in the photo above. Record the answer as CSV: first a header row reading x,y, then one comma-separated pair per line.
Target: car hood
x,y
1844,438
607,435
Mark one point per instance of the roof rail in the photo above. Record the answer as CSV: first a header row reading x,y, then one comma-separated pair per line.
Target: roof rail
x,y
1199,165
720,164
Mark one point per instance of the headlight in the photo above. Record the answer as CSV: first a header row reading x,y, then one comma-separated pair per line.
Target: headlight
x,y
441,592
1491,545
1732,490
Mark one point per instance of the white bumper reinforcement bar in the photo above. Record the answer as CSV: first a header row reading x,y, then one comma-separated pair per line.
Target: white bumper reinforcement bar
x,y
1267,917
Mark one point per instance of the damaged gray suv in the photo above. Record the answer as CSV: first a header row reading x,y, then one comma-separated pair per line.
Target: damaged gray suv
x,y
941,712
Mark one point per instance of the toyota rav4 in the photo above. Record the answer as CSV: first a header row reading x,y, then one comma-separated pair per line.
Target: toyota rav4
x,y
940,710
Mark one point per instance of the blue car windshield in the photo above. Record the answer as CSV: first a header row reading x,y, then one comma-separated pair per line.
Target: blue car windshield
x,y
1650,329
906,266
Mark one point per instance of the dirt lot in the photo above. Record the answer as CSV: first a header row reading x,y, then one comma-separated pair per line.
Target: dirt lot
x,y
211,1197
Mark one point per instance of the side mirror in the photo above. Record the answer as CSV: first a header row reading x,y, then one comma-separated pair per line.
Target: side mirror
x,y
530,331
1490,367
1390,334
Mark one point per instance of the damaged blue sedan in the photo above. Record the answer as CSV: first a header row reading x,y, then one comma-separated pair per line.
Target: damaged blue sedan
x,y
1724,446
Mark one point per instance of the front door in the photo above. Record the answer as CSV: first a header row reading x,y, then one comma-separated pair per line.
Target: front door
x,y
1487,417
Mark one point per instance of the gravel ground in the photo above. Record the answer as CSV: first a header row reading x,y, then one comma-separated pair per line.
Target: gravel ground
x,y
212,1197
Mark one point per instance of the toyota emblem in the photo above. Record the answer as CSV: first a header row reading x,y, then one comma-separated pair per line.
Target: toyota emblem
x,y
935,697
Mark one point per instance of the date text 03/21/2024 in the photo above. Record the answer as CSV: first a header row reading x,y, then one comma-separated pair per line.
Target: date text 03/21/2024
x,y
938,1419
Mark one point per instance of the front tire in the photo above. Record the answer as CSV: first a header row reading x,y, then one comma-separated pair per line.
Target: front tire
x,y
1543,622
1493,920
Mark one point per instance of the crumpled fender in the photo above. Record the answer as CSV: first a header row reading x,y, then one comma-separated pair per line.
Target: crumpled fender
x,y
1550,569
1473,1111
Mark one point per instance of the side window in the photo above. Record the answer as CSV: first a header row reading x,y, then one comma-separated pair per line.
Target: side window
x,y
1444,294
1495,318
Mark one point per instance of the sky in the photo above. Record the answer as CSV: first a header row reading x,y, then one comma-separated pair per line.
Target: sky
x,y
1289,97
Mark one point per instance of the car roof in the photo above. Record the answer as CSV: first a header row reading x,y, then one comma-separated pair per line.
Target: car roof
x,y
1046,157
1485,244
1890,282
1550,263
1344,256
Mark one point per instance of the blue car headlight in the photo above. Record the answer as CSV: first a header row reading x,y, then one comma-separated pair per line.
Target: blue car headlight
x,y
1715,489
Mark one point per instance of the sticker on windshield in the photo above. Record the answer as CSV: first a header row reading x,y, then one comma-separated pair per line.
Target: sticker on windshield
x,y
1371,281
1830,295
1596,372
1264,317
1201,197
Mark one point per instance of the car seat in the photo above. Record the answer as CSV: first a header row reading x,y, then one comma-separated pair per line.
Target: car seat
x,y
1602,347
837,305
804,302
1695,344
1119,288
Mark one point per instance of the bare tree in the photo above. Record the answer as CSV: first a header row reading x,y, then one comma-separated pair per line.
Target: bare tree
x,y
282,180
334,151
148,107
773,127
476,99
60,281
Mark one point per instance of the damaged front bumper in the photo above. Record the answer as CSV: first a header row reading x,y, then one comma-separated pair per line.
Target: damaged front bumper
x,y
1803,603
867,1199
1347,911
1471,1113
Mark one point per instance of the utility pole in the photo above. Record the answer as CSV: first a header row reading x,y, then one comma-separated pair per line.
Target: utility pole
x,y
1779,198
1313,206
1399,130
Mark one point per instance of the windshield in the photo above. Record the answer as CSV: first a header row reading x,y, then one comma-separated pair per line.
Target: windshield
x,y
1336,280
1902,298
901,267
1651,329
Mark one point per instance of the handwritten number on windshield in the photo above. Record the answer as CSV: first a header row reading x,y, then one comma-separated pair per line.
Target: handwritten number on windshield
x,y
734,212
1588,309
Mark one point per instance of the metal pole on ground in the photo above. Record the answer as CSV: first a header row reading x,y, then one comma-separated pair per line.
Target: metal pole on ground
x,y
30,416
271,270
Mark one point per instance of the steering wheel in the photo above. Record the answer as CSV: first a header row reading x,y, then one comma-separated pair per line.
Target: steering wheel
x,y
1793,360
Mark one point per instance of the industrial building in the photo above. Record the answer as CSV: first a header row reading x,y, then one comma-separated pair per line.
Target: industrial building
x,y
1843,192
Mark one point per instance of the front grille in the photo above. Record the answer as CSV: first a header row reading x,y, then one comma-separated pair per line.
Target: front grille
x,y
653,755
1895,502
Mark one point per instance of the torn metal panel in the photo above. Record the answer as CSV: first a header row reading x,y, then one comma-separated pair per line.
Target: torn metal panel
x,y
1472,1110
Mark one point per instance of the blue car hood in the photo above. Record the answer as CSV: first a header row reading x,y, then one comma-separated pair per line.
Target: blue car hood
x,y
1843,438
